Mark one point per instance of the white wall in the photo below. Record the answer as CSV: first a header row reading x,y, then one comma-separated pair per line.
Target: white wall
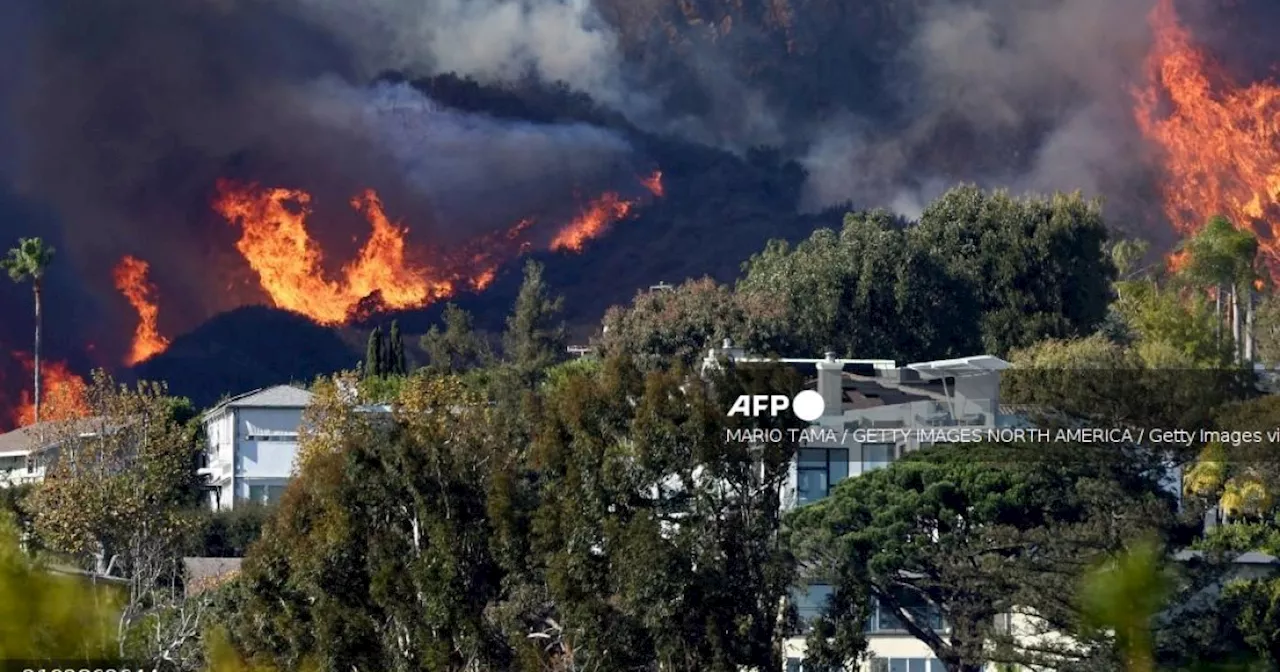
x,y
260,452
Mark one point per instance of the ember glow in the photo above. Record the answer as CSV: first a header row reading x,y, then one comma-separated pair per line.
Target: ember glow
x,y
654,183
63,394
131,279
1221,142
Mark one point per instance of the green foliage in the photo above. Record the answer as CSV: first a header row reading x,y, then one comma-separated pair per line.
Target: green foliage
x,y
456,348
28,260
867,289
1038,266
397,364
375,356
1220,255
44,615
535,337
977,531
1123,596
1256,604
678,326
229,533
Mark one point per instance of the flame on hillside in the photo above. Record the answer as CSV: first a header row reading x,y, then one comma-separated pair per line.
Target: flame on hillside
x,y
275,242
63,394
131,279
1221,142
654,183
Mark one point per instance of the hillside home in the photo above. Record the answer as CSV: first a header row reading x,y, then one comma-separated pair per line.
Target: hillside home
x,y
28,453
252,445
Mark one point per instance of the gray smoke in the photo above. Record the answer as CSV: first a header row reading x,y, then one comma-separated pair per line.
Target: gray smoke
x,y
1000,71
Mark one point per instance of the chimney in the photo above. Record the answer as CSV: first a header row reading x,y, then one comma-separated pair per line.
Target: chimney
x,y
831,384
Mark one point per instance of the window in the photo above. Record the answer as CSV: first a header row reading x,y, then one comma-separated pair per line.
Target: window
x,y
265,494
798,665
906,665
272,437
876,455
883,619
817,469
811,601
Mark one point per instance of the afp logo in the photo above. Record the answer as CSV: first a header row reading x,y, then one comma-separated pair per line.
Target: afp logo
x,y
808,405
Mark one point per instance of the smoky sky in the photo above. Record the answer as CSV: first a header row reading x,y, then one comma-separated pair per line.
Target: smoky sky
x,y
119,116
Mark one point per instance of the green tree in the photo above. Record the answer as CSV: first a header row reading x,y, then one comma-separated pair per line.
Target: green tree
x,y
457,347
380,555
970,532
1223,258
535,337
679,325
1123,595
44,616
28,261
396,363
375,356
867,289
658,537
120,495
1039,266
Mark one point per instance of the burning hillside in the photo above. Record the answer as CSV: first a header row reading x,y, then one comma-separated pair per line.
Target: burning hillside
x,y
1220,142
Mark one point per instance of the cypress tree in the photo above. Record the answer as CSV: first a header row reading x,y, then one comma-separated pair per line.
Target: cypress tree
x,y
375,353
398,366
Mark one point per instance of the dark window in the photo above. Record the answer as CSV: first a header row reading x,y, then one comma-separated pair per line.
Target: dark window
x,y
876,455
817,469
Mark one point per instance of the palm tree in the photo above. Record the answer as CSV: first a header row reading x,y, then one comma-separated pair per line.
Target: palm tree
x,y
1225,258
28,261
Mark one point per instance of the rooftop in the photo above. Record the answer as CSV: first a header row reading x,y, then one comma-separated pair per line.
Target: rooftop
x,y
279,396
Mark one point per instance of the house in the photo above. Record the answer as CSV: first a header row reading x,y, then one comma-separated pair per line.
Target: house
x,y
28,453
880,411
252,445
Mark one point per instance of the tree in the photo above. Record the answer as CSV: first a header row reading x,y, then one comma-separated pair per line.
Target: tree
x,y
657,537
965,533
43,616
1222,257
868,290
381,556
397,365
375,355
28,261
457,347
1039,266
679,325
119,496
535,337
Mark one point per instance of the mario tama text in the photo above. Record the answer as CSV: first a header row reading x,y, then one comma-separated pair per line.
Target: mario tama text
x,y
829,436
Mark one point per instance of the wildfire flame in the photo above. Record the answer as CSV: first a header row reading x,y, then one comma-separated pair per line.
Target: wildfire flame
x,y
131,279
1221,142
654,183
63,394
593,222
275,242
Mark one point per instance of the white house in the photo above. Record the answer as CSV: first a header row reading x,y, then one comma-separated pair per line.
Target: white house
x,y
28,453
898,409
252,445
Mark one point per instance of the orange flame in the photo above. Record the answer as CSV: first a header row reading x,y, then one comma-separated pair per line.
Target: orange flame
x,y
63,394
275,242
592,222
131,279
654,183
1221,142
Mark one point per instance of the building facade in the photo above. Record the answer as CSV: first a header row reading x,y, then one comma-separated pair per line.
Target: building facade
x,y
880,411
251,445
